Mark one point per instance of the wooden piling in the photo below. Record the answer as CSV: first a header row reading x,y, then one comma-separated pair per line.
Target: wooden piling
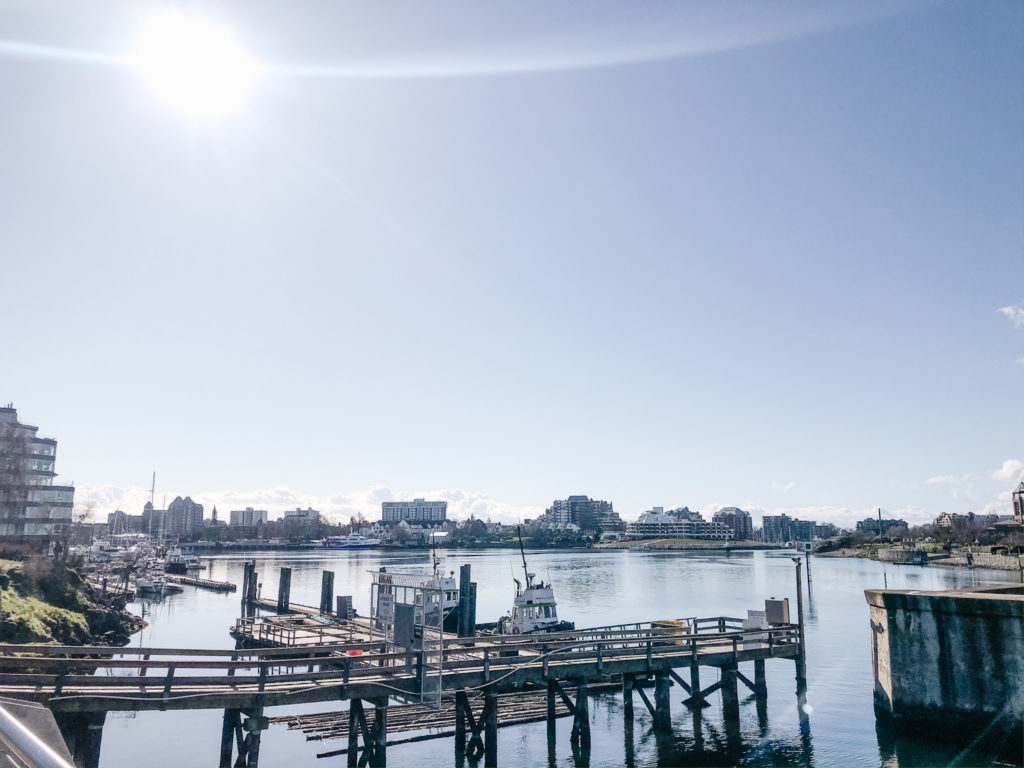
x,y
627,697
730,694
284,590
227,737
760,681
461,701
465,628
662,704
355,708
378,757
490,718
581,717
552,691
326,592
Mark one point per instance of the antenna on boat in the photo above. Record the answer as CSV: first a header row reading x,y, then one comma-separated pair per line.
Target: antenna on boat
x,y
522,552
433,552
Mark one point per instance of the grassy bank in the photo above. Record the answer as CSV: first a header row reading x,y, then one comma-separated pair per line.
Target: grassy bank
x,y
44,601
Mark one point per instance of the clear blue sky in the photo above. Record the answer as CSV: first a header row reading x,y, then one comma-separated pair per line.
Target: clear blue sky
x,y
659,253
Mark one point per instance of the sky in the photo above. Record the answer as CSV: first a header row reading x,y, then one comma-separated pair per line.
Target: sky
x,y
667,254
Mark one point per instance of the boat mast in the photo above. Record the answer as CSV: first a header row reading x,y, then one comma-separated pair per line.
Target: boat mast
x,y
522,552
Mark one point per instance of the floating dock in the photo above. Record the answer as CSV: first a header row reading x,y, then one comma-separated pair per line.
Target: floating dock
x,y
189,581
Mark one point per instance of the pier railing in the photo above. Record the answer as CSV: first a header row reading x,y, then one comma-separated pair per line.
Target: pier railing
x,y
210,677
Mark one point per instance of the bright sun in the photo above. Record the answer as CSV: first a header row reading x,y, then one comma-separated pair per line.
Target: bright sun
x,y
194,66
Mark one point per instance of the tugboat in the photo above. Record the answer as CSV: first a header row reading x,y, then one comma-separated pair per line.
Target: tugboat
x,y
534,609
180,561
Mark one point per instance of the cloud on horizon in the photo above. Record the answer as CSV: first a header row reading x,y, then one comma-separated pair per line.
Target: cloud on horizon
x,y
1012,471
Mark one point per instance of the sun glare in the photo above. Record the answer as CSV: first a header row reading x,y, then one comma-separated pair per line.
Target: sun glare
x,y
193,65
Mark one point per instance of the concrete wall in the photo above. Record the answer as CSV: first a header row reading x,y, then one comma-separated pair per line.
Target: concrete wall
x,y
903,556
949,656
982,560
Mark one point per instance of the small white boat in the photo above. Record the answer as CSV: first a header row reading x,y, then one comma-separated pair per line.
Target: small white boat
x,y
181,561
149,587
534,609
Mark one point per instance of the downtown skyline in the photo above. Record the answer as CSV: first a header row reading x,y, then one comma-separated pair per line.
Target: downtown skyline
x,y
662,255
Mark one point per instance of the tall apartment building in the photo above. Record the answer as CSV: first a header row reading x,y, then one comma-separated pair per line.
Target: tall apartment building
x,y
416,511
589,514
741,523
1018,505
32,508
247,517
184,517
776,529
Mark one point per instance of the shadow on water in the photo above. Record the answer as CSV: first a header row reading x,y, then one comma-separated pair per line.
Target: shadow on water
x,y
924,746
706,738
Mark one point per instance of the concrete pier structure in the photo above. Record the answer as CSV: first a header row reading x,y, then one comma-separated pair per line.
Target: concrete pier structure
x,y
954,658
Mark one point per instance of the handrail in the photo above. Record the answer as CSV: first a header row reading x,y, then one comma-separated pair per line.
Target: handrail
x,y
29,748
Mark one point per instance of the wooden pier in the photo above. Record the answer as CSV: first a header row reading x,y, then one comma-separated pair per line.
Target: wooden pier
x,y
81,684
189,581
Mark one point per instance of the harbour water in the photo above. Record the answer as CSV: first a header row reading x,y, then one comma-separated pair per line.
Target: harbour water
x,y
592,588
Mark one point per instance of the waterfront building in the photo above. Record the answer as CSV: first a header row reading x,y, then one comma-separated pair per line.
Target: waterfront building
x,y
247,517
685,513
1018,505
306,518
657,525
776,529
416,511
32,508
741,523
184,517
957,521
589,514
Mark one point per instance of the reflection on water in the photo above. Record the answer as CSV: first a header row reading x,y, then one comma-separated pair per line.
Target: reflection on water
x,y
592,588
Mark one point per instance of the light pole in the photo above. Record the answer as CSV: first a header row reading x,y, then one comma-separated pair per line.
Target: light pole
x,y
801,664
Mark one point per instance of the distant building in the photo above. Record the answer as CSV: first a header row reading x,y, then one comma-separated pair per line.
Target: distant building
x,y
117,523
416,511
1018,505
685,513
184,517
32,508
741,523
802,530
247,517
879,525
957,521
825,531
589,514
658,525
776,529
308,517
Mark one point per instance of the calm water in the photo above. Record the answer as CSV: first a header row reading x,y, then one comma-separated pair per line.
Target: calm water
x,y
592,589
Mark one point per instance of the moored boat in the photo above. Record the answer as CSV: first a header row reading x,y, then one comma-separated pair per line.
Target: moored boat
x,y
534,609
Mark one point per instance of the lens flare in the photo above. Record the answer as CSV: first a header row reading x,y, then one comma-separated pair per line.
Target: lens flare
x,y
196,67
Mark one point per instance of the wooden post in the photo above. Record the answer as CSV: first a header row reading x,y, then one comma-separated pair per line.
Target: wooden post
x,y
326,592
227,737
284,590
552,717
354,707
378,754
760,681
730,694
662,705
472,610
461,702
465,630
627,697
490,717
581,717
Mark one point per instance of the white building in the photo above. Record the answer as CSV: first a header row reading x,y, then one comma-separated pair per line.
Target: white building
x,y
657,525
248,516
415,511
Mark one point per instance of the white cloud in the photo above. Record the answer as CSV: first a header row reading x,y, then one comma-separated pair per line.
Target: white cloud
x,y
1012,471
1015,313
783,487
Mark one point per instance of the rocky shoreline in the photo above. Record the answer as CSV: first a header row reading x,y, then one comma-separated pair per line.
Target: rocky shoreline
x,y
45,601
